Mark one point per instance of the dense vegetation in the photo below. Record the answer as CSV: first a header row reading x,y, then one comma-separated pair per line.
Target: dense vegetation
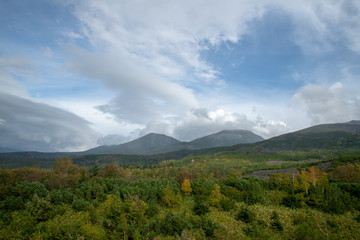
x,y
211,196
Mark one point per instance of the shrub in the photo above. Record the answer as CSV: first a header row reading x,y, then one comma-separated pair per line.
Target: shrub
x,y
246,215
173,224
209,227
227,204
358,218
80,204
201,206
275,222
294,201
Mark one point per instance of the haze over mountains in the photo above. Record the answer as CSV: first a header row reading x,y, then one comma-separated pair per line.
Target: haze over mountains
x,y
4,149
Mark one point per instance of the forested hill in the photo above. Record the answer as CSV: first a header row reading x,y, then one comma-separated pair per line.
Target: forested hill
x,y
337,135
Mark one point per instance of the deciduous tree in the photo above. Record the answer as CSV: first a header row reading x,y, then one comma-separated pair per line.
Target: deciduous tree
x,y
186,187
215,196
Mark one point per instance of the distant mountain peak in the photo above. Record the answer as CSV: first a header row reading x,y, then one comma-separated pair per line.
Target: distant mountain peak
x,y
159,143
236,131
156,138
152,134
226,138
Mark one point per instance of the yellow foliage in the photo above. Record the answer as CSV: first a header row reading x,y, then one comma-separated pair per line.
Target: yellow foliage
x,y
186,187
315,175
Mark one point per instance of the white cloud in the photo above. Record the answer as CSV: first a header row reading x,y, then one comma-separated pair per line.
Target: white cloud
x,y
142,95
113,139
320,26
167,37
152,53
326,104
14,66
104,123
201,122
149,53
270,128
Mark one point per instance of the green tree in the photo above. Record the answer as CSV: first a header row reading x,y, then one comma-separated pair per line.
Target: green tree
x,y
169,197
303,182
347,173
65,165
215,196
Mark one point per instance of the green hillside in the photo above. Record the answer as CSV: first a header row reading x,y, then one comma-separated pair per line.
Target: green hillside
x,y
325,136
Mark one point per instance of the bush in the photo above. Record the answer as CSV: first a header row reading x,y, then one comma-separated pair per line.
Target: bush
x,y
275,222
80,204
209,227
358,218
153,209
13,203
246,215
307,231
232,193
294,201
201,206
227,204
173,224
256,231
252,190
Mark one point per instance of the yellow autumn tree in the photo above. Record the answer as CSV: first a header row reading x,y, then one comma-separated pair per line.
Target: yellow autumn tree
x,y
313,176
302,182
186,187
215,196
316,175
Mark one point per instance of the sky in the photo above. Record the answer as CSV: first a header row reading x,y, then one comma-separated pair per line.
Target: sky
x,y
79,74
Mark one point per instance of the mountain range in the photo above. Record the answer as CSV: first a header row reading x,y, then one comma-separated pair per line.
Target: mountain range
x,y
316,137
159,143
153,148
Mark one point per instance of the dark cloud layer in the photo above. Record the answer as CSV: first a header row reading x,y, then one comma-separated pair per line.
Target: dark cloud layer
x,y
28,125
